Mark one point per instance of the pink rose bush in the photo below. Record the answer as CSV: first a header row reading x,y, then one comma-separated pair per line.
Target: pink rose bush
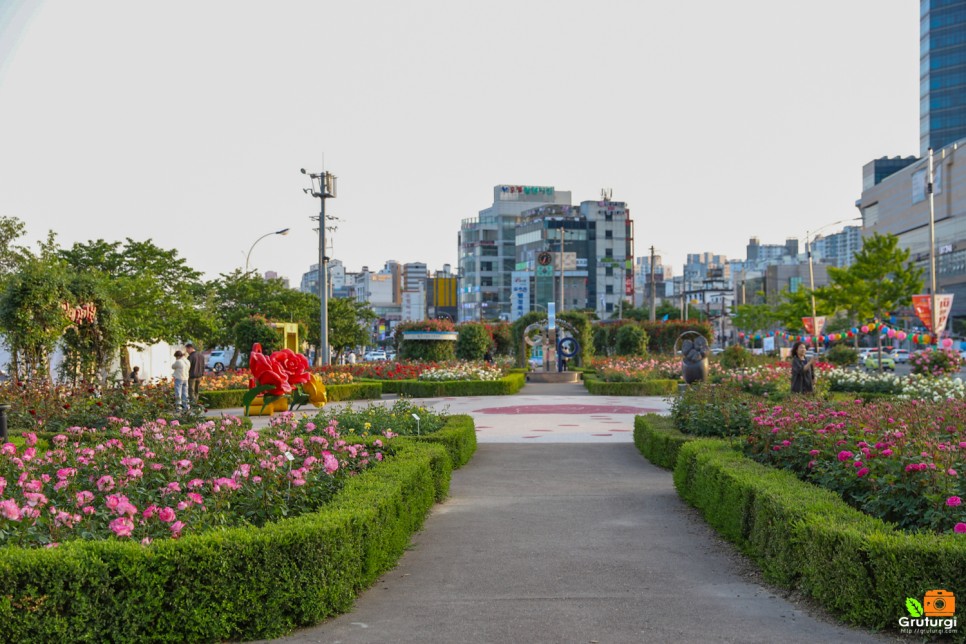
x,y
163,480
899,461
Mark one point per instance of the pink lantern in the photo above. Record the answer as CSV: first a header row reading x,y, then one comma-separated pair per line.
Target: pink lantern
x,y
901,335
891,333
865,328
947,343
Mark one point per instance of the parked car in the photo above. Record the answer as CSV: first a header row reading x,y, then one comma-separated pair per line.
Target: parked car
x,y
900,355
375,356
218,360
888,364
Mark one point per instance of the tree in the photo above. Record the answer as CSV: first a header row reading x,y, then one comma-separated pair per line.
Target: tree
x,y
752,317
239,295
630,340
31,313
255,328
349,323
151,287
883,273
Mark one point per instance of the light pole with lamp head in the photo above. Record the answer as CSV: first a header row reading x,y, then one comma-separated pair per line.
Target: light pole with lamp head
x,y
284,231
323,187
809,238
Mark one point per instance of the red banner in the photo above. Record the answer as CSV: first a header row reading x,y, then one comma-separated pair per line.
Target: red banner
x,y
923,306
814,329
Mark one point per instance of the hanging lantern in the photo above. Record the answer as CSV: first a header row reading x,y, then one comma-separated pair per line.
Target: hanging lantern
x,y
947,343
865,328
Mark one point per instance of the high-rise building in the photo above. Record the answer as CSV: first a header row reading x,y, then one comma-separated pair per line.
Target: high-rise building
x,y
487,249
942,73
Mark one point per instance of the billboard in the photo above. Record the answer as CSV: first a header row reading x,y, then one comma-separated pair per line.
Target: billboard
x,y
519,294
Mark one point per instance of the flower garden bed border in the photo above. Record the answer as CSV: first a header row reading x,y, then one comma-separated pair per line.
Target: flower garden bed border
x,y
229,398
654,387
808,538
505,386
238,583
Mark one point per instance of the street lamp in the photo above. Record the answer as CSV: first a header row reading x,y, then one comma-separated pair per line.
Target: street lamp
x,y
323,187
809,238
284,231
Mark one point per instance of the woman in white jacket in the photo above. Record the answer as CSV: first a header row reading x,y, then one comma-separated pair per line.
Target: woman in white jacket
x,y
180,371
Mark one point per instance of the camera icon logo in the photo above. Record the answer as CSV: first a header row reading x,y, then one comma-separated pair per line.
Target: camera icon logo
x,y
939,603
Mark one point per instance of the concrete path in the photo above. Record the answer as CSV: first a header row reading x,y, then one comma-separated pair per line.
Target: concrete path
x,y
547,540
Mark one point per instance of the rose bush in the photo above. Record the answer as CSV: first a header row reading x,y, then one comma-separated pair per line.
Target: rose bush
x,y
899,461
163,480
935,362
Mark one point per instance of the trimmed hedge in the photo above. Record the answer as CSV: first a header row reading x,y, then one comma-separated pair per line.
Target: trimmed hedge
x,y
658,440
458,436
645,388
229,398
222,399
805,537
235,584
505,386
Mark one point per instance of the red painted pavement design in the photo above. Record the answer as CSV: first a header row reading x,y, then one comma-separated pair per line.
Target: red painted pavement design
x,y
566,409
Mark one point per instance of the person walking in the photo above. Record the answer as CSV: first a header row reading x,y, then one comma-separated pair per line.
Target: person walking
x,y
196,362
179,371
803,370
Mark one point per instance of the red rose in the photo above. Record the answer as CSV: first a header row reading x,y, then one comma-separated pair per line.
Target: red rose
x,y
295,365
268,372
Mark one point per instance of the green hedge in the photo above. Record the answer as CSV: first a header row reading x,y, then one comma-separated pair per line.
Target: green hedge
x,y
658,440
646,388
807,538
229,398
235,584
222,399
458,436
505,386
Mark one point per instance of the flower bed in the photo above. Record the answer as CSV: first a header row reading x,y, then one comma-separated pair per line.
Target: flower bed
x,y
636,369
898,461
41,406
163,480
911,387
233,583
462,371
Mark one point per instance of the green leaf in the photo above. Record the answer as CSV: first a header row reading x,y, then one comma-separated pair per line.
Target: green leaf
x,y
253,393
914,607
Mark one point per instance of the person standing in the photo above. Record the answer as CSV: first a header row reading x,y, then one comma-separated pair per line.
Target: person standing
x,y
179,371
803,370
352,357
196,371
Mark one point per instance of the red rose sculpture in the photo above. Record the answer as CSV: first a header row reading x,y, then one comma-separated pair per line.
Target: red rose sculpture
x,y
269,372
294,365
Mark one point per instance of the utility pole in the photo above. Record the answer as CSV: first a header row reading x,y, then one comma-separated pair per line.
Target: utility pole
x,y
653,309
562,298
323,187
932,252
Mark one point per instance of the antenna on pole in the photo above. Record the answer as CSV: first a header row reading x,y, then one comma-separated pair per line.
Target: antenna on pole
x,y
606,194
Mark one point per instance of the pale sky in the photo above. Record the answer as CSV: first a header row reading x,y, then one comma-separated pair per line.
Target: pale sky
x,y
187,122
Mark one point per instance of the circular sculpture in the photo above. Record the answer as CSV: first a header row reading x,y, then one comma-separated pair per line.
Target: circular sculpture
x,y
568,347
544,258
694,356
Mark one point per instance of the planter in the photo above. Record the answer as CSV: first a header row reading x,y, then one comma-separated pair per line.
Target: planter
x,y
259,408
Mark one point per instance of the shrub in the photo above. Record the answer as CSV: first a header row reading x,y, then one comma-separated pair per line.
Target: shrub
x,y
639,388
430,350
630,340
502,338
663,335
841,355
735,357
473,342
656,438
935,362
713,410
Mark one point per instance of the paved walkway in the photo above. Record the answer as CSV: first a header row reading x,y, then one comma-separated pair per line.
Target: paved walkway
x,y
553,541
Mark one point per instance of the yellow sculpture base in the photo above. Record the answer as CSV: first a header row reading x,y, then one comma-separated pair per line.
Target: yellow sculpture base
x,y
259,408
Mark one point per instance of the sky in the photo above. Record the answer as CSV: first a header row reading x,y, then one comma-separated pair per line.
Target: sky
x,y
187,122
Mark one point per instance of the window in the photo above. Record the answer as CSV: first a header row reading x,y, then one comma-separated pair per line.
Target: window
x,y
609,289
609,252
608,234
609,271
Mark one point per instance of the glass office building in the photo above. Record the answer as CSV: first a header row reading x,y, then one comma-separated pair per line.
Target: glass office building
x,y
942,73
